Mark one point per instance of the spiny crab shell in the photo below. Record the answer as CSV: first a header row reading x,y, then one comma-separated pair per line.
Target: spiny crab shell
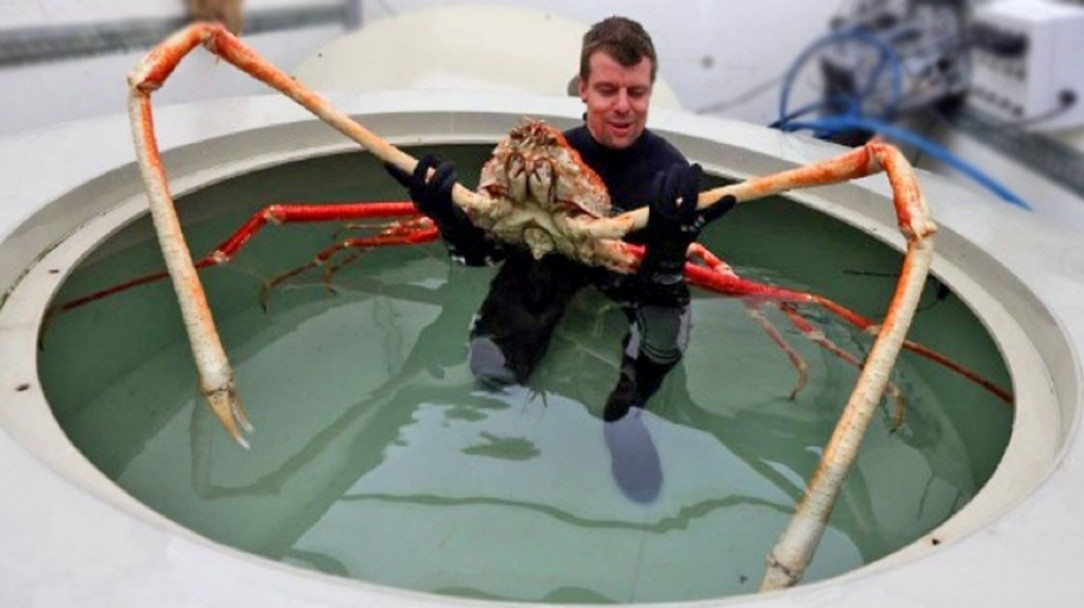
x,y
540,193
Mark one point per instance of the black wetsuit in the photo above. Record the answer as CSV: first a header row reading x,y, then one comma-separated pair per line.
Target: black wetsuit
x,y
528,297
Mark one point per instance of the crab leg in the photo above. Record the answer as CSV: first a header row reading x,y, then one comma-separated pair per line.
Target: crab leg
x,y
414,233
817,337
859,162
791,555
301,213
281,213
756,312
216,376
161,61
717,276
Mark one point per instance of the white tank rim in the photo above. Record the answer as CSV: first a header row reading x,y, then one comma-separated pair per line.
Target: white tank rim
x,y
56,488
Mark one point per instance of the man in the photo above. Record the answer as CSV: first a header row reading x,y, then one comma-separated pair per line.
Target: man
x,y
527,297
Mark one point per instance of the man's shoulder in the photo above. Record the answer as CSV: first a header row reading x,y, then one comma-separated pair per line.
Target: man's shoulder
x,y
578,137
577,131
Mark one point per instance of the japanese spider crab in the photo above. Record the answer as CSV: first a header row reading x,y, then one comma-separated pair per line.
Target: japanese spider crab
x,y
536,192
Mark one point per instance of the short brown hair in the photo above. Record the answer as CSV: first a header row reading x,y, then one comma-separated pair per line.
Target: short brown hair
x,y
621,38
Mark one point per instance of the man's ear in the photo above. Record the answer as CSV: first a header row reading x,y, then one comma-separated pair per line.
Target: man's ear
x,y
581,88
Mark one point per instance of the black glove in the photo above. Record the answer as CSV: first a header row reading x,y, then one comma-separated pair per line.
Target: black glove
x,y
673,224
466,242
433,197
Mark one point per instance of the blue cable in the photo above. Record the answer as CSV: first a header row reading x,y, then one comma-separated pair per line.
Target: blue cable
x,y
852,119
850,123
850,102
888,54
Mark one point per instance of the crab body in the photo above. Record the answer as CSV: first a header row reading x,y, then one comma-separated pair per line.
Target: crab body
x,y
539,193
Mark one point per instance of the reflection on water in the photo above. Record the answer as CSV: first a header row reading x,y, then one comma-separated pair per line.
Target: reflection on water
x,y
376,455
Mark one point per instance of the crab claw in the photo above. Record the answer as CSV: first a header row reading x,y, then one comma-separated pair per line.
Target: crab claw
x,y
225,403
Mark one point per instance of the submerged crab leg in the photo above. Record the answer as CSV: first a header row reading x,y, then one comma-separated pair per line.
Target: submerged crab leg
x,y
280,213
818,337
756,312
721,279
416,232
718,276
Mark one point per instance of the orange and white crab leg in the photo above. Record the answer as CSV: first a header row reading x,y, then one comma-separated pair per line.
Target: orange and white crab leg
x,y
411,229
792,553
161,61
859,162
215,373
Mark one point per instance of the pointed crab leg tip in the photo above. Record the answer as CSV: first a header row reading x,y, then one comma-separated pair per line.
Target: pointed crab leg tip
x,y
242,442
238,414
226,406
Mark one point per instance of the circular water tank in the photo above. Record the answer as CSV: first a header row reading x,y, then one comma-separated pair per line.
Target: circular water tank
x,y
73,534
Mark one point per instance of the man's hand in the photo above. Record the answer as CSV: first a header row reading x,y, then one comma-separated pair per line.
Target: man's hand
x,y
432,196
674,222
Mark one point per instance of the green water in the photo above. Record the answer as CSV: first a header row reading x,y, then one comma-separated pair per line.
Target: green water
x,y
376,456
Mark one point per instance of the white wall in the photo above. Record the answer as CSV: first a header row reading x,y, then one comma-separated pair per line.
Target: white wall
x,y
709,51
40,94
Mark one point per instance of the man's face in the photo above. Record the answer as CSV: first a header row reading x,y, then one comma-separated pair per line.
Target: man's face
x,y
617,99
